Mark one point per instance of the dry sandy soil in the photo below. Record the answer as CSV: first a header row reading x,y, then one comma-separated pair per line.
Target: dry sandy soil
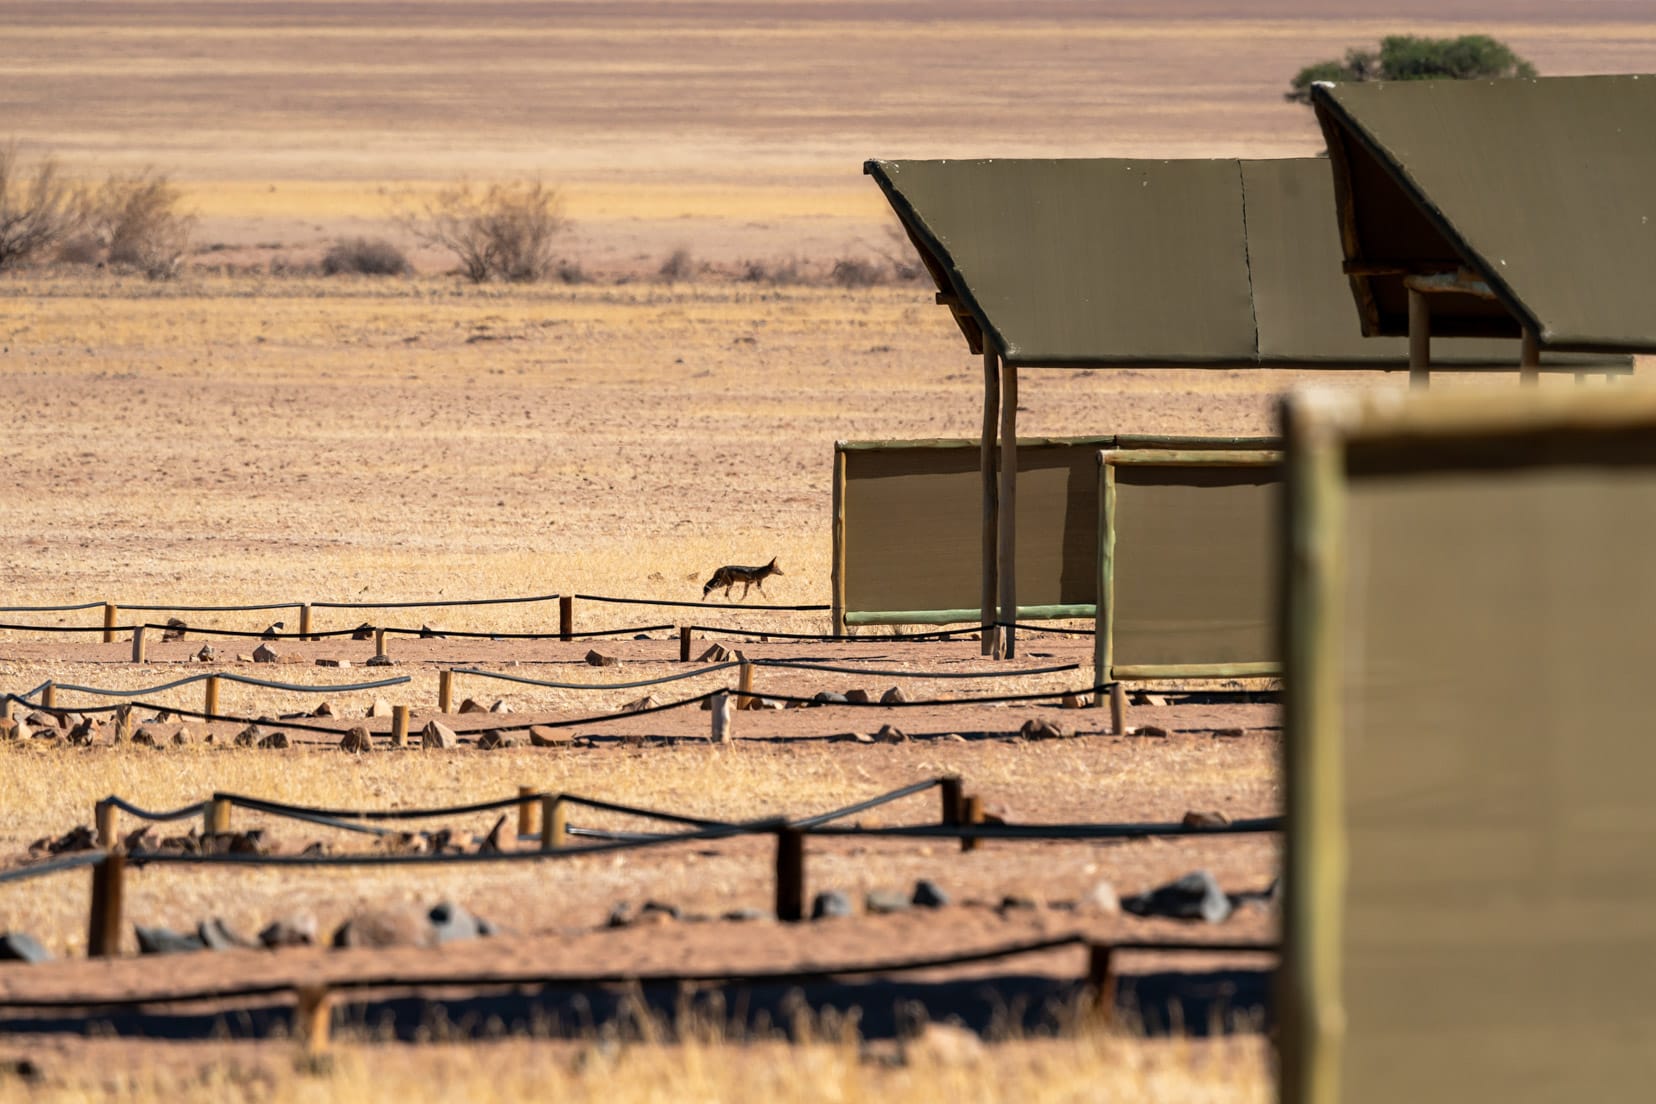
x,y
238,437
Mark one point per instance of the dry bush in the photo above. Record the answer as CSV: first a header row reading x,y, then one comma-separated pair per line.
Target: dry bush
x,y
365,257
504,231
858,272
39,210
679,265
789,270
572,272
139,221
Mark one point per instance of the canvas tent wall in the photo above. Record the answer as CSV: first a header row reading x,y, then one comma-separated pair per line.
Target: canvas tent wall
x,y
1467,643
1499,208
1137,263
907,526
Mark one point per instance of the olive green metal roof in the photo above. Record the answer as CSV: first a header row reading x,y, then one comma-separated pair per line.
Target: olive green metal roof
x,y
1536,198
1095,262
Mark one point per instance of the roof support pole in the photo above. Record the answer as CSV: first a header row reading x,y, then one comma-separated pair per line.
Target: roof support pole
x,y
991,497
1009,509
1420,341
1529,359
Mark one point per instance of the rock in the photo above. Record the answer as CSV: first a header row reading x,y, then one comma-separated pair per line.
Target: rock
x,y
472,705
356,741
248,736
326,709
242,657
328,662
894,696
272,631
85,733
1196,896
657,912
954,738
858,697
493,739
42,719
717,653
599,659
500,706
147,736
542,736
831,905
429,633
276,741
22,947
438,735
175,630
451,922
407,926
879,902
745,915
1019,899
620,915
648,701
379,708
216,935
78,838
828,697
139,840
9,728
295,930
1148,730
364,631
380,661
891,734
154,941
928,894
264,653
1196,819
1071,700
184,735
1145,697
207,654
943,1044
1101,898
861,738
1037,728
1229,733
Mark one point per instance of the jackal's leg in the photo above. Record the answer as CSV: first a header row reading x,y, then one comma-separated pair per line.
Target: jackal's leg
x,y
745,585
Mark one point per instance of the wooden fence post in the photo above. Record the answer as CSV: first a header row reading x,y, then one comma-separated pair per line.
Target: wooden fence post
x,y
109,622
526,811
566,617
790,875
554,823
139,654
104,814
379,642
48,696
973,814
217,819
103,934
305,622
1118,709
211,706
745,699
687,636
445,690
1101,982
952,788
720,715
313,1018
399,726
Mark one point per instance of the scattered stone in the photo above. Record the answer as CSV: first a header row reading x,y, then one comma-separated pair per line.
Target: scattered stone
x,y
1148,730
380,661
745,915
295,930
9,728
500,706
894,696
326,709
1019,900
1101,898
718,653
356,741
429,633
276,741
648,701
407,926
928,894
84,733
858,697
954,738
264,653
174,631
78,838
147,736
364,631
829,697
22,947
438,735
883,901
831,905
26,1070
272,631
598,659
493,739
891,734
184,735
657,912
216,935
943,1044
1145,697
1072,700
379,708
542,736
249,736
860,738
1038,728
139,840
243,657
1197,819
207,654
451,922
472,705
1229,733
40,719
325,662
1196,896
154,941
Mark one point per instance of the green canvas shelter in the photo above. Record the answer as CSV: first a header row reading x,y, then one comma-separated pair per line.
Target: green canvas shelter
x,y
1093,263
1508,208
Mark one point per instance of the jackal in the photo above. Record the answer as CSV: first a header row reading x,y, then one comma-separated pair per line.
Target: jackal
x,y
731,574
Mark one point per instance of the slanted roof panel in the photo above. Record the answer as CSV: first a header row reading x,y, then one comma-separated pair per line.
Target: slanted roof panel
x,y
1543,186
1075,262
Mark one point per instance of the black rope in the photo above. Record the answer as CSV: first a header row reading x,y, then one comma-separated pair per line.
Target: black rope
x,y
695,605
438,602
51,609
182,813
828,638
864,806
1056,831
53,866
710,669
913,704
797,665
68,628
266,634
1025,625
210,609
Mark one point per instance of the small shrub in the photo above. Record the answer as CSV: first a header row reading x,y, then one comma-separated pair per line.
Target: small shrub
x,y
857,272
504,231
679,265
788,270
365,257
39,210
572,272
138,221
80,249
1410,57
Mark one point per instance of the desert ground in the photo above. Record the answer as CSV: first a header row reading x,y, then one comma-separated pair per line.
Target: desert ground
x,y
255,433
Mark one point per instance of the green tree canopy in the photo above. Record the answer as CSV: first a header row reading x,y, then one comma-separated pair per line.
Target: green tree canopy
x,y
1410,57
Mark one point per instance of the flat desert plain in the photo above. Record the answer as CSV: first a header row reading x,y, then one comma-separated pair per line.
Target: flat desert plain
x,y
253,433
